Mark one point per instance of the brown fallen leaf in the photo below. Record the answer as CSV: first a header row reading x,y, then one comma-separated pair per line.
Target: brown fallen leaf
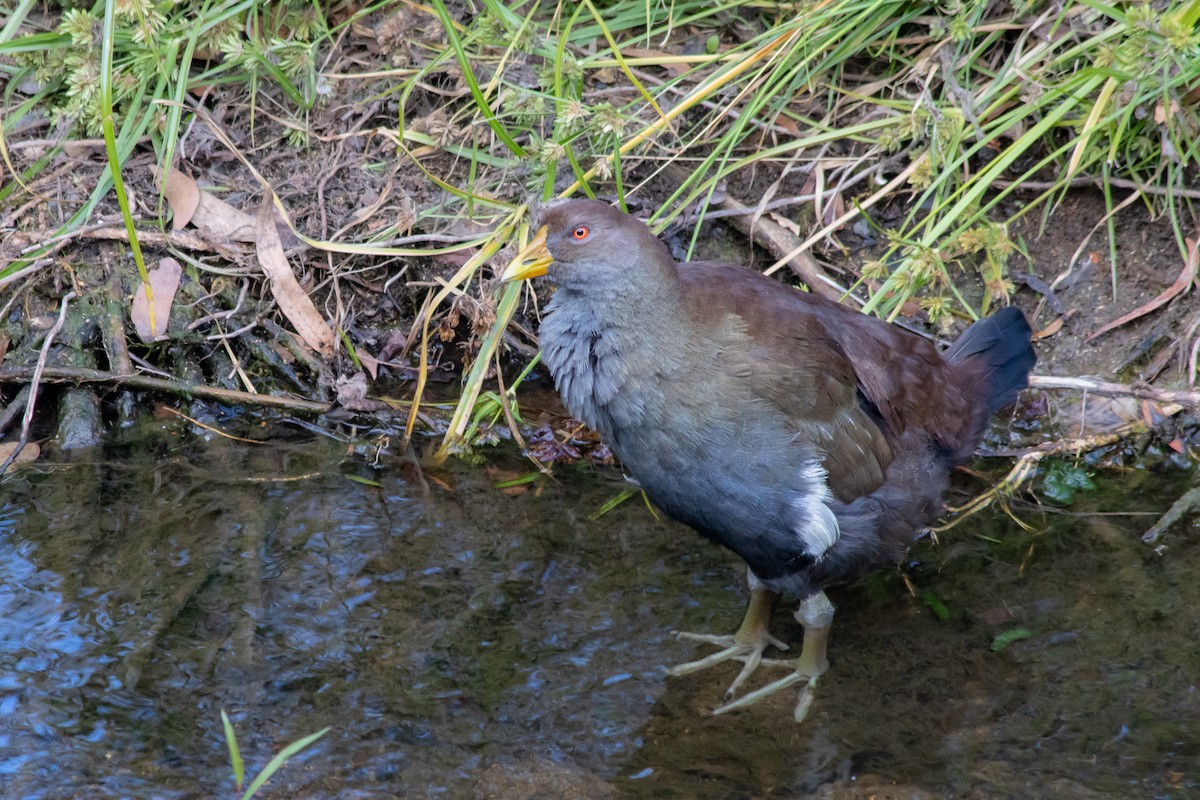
x,y
221,222
216,220
183,196
394,344
1186,278
370,363
164,281
1049,330
785,223
297,306
29,453
676,68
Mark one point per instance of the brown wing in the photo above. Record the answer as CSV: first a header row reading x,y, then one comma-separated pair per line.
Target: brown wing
x,y
796,365
848,382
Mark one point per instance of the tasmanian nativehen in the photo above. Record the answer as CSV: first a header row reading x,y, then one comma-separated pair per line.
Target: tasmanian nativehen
x,y
812,440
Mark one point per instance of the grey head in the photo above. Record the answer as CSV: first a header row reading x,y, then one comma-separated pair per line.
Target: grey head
x,y
597,248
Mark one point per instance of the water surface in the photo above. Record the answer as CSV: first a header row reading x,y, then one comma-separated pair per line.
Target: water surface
x,y
467,641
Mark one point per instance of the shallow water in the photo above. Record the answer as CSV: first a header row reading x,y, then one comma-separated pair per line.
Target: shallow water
x,y
462,641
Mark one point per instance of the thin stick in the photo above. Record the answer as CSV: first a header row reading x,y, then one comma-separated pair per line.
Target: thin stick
x,y
1189,398
17,374
36,379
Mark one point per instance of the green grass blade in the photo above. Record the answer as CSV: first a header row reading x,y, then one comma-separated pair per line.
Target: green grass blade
x,y
279,760
468,74
114,156
15,19
235,756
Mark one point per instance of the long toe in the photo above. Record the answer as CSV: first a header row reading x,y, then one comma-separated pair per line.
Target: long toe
x,y
730,650
733,648
807,692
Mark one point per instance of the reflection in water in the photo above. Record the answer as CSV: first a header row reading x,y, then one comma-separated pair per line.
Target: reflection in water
x,y
465,642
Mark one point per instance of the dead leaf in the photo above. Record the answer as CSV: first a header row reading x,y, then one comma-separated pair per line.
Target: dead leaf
x,y
676,68
164,281
352,394
1161,112
29,453
395,343
1049,330
285,355
370,363
183,196
787,124
1186,278
293,302
1101,415
834,210
221,222
785,223
217,221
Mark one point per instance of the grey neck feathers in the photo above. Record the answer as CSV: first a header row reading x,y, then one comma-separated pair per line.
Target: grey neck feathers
x,y
597,340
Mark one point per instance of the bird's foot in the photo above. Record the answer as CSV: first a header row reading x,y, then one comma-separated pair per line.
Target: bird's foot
x,y
747,649
746,645
802,672
815,614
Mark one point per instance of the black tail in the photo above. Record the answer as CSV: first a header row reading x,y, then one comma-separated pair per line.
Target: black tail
x,y
1001,343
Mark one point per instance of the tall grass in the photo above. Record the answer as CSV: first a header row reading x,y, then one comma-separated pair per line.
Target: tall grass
x,y
967,106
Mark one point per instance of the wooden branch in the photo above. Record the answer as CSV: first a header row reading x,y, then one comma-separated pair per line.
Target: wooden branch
x,y
17,374
1190,398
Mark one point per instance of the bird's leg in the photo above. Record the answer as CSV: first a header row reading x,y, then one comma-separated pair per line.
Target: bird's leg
x,y
816,615
746,645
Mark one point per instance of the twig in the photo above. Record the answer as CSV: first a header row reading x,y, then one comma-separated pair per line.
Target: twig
x,y
32,268
214,337
780,241
13,409
770,234
17,374
115,231
1026,468
1190,398
223,314
783,202
860,208
504,404
1184,505
962,97
35,380
1120,183
113,327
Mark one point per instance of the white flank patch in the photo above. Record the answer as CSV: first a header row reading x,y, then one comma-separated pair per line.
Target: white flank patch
x,y
815,523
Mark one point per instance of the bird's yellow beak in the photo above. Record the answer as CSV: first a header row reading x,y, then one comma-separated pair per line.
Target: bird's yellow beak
x,y
530,262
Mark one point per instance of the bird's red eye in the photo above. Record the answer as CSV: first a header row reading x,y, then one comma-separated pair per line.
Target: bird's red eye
x,y
581,232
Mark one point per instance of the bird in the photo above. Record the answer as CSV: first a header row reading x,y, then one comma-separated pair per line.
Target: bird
x,y
812,440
